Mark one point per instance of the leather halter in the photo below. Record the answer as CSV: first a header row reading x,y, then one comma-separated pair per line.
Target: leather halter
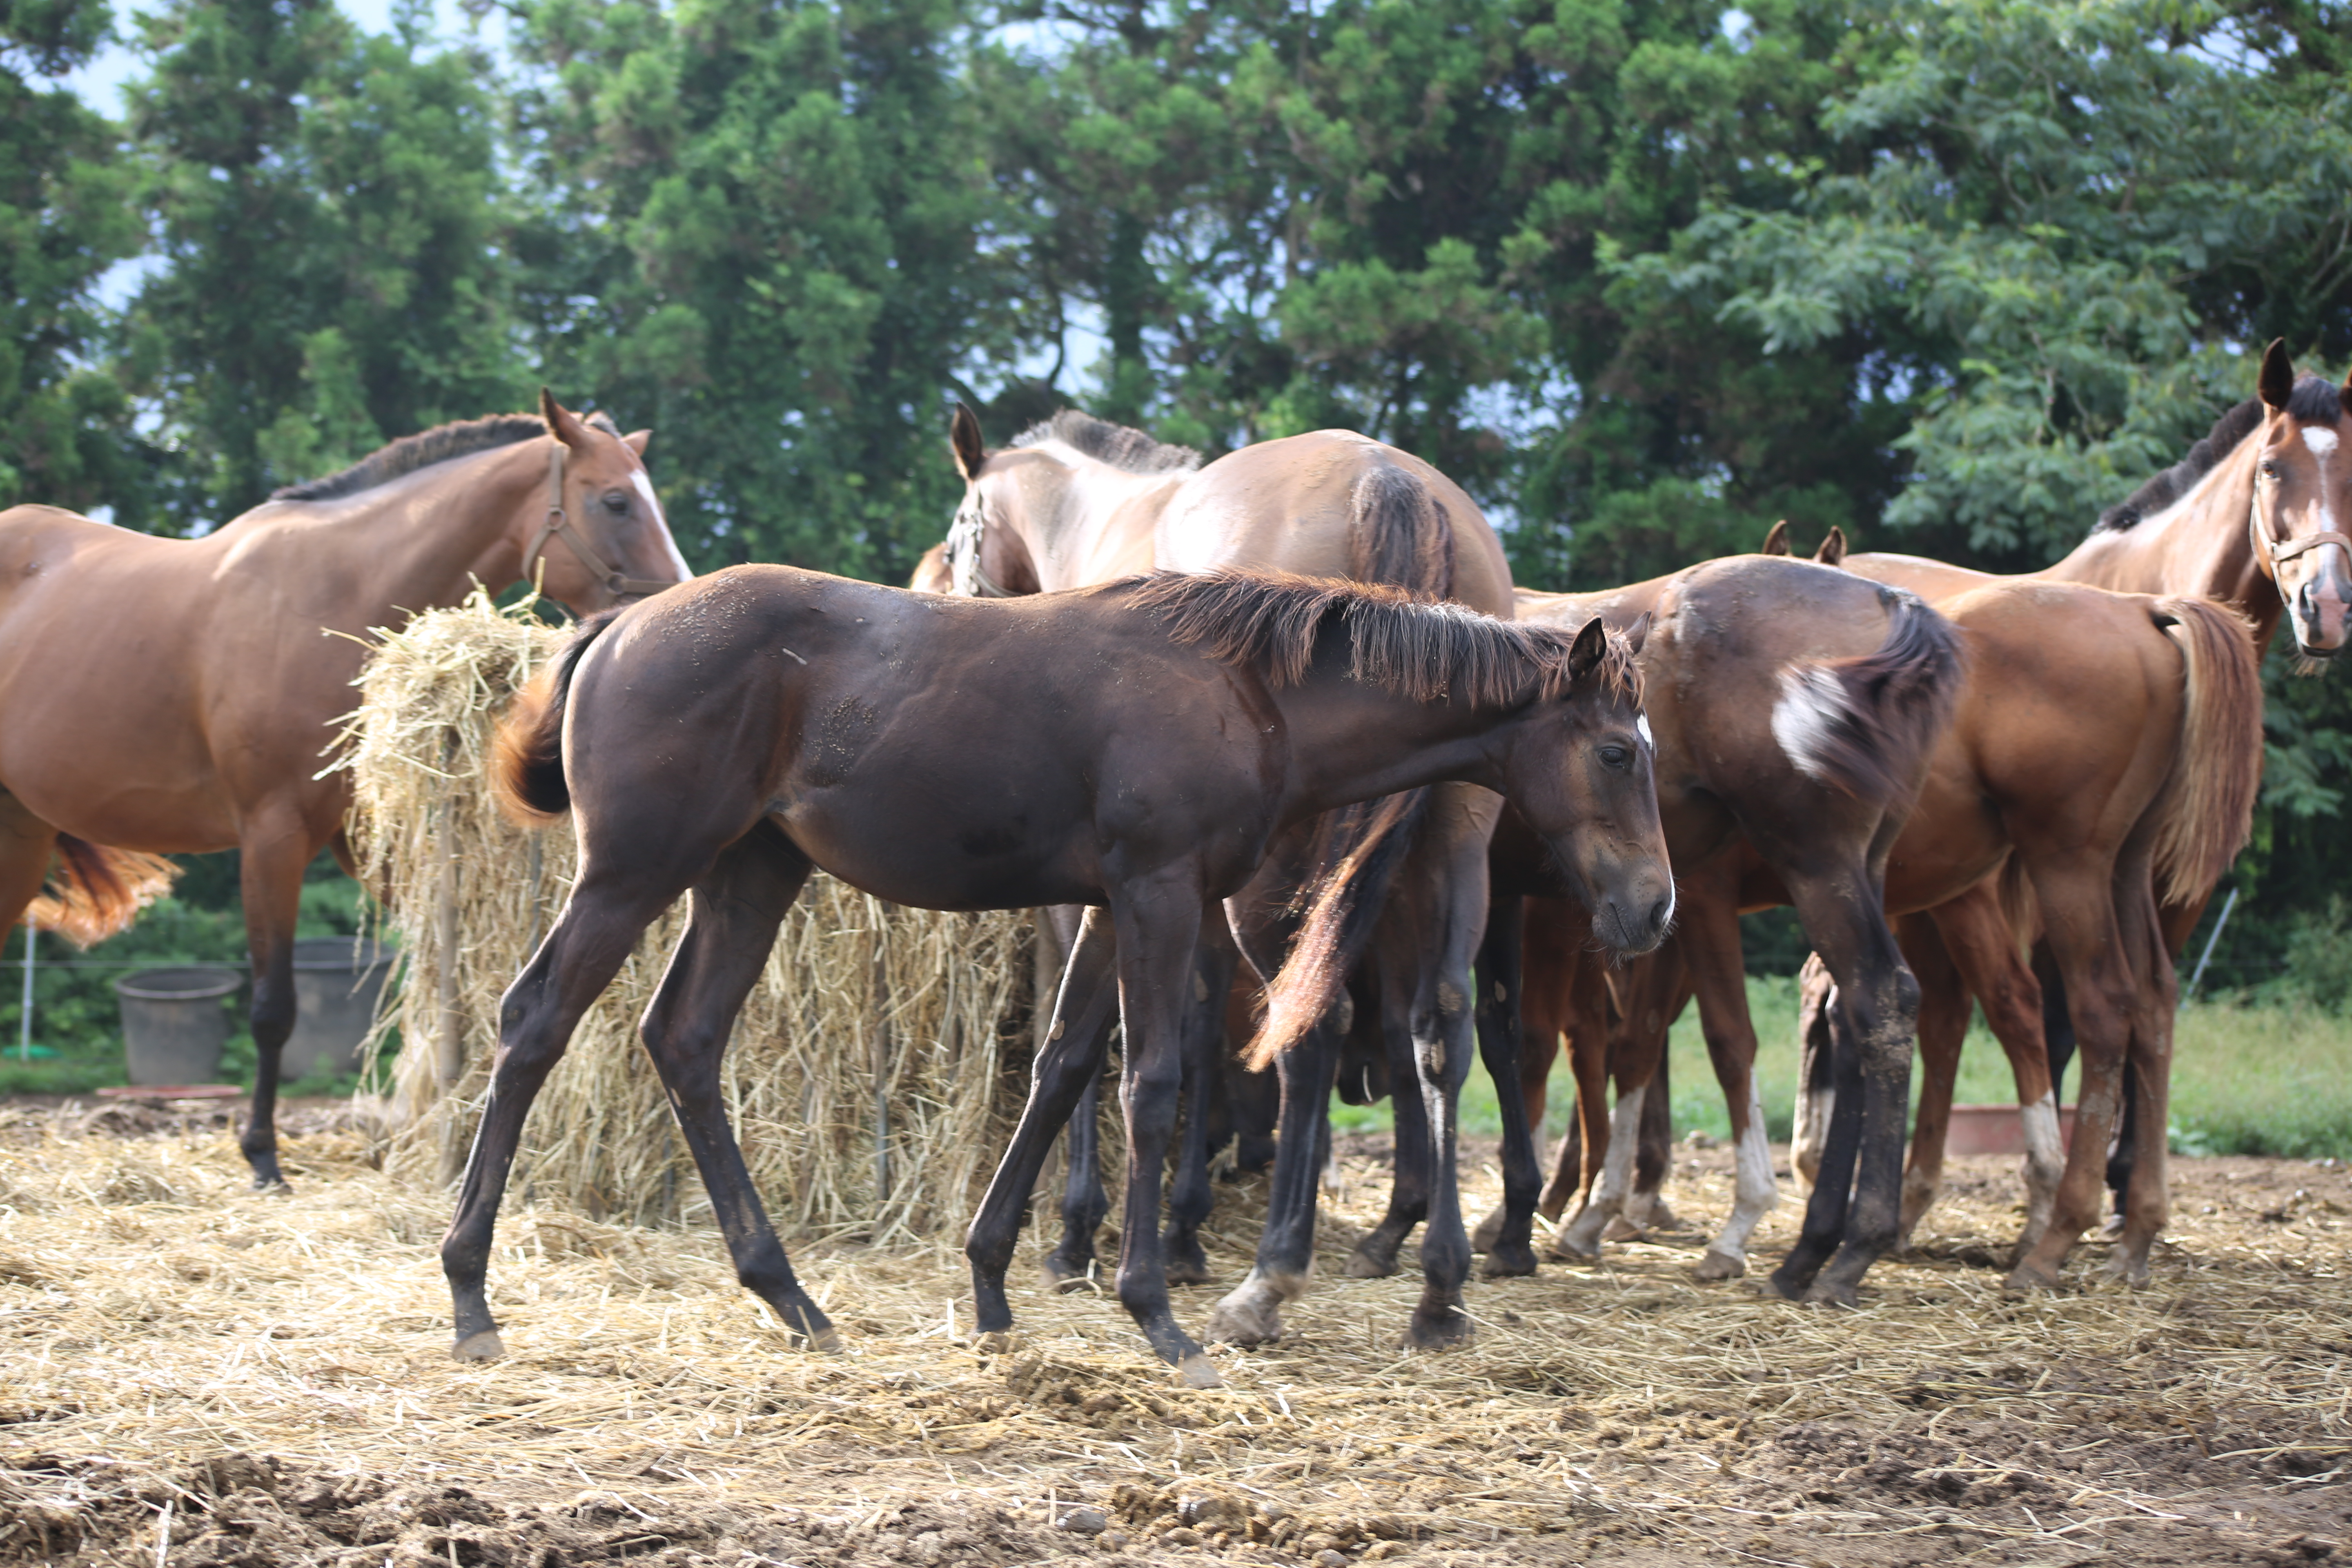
x,y
964,571
559,525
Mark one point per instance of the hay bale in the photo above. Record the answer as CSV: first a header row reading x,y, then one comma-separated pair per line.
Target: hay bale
x,y
868,1077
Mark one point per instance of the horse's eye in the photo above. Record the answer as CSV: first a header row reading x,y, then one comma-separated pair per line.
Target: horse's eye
x,y
1615,756
616,501
2270,469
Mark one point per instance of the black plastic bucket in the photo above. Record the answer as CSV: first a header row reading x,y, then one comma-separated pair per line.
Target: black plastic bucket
x,y
175,1022
337,980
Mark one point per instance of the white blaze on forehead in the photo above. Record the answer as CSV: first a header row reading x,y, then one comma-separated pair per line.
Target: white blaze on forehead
x,y
644,481
1642,728
2320,439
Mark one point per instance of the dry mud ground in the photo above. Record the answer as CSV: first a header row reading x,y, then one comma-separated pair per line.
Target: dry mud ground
x,y
195,1374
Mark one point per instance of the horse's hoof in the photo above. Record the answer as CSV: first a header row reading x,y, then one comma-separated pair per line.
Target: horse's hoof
x,y
1060,1275
1622,1229
826,1341
1187,1266
1489,1231
276,1186
2030,1276
1370,1262
1442,1332
2128,1271
1569,1248
483,1346
1653,1214
1717,1265
1788,1286
1198,1373
1243,1323
994,1341
1831,1293
1514,1262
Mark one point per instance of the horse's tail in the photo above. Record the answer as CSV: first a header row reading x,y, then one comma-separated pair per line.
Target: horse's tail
x,y
1398,534
528,771
94,890
1357,851
1864,725
2206,807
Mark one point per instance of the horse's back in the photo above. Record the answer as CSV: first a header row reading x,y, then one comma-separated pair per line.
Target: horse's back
x,y
1331,503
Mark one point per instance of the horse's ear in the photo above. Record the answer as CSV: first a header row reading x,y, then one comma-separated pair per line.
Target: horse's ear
x,y
1777,542
963,440
1637,634
1585,653
638,440
1832,550
562,423
2276,383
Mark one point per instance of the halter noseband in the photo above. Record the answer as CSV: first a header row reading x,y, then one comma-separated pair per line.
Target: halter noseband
x,y
559,525
964,571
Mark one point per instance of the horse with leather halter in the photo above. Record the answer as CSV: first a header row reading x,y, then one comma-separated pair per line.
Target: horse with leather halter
x,y
2250,518
201,719
1134,748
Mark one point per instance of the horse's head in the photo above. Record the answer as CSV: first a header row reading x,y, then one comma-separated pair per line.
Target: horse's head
x,y
2302,500
1580,769
595,530
987,549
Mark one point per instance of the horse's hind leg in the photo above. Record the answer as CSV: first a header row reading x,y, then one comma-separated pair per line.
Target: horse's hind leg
x,y
1709,939
1190,1195
731,928
1977,935
1072,1060
1943,1026
275,851
1505,1236
1389,1019
590,939
1084,1201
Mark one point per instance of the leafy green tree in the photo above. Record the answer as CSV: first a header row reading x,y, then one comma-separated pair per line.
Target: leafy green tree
x,y
65,216
333,228
763,236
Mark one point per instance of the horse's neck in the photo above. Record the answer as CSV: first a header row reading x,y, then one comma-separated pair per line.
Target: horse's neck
x,y
2200,544
418,543
1091,522
1350,741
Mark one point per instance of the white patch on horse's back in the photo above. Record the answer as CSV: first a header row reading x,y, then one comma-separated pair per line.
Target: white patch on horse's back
x,y
2319,439
1804,720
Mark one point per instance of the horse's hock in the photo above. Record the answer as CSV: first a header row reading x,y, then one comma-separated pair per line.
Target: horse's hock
x,y
867,1076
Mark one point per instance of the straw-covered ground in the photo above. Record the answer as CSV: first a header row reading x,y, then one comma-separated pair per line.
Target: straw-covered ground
x,y
195,1374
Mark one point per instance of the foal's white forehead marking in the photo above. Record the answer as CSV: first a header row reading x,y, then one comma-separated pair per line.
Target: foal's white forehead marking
x,y
2320,439
646,488
1641,726
644,481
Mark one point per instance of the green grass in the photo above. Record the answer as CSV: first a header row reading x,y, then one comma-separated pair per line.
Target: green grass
x,y
2247,1079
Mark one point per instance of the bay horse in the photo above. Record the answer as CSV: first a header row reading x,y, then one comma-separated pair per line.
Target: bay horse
x,y
199,721
1134,748
1076,501
2252,517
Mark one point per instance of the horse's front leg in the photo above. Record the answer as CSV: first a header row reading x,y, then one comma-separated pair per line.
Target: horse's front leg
x,y
735,910
1505,1236
1076,1043
1158,919
1071,1265
274,849
1454,851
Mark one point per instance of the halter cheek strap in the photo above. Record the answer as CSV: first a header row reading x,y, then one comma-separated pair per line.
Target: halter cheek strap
x,y
559,525
964,570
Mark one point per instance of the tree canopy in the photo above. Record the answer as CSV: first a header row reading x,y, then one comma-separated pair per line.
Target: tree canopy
x,y
1643,275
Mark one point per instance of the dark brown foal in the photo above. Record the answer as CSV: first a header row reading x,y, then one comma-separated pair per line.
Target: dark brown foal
x,y
1133,748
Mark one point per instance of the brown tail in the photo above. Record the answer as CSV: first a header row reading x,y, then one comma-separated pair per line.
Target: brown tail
x,y
94,892
1399,534
528,772
1864,725
2207,804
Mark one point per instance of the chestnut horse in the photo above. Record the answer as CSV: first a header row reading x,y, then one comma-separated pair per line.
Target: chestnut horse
x,y
1076,501
2252,517
200,721
1134,747
2102,739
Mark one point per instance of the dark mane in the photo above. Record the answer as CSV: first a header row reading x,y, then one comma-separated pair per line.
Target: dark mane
x,y
1130,450
458,439
2314,398
1418,650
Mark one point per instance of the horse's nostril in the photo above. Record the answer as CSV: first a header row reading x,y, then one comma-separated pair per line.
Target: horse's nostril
x,y
1658,912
